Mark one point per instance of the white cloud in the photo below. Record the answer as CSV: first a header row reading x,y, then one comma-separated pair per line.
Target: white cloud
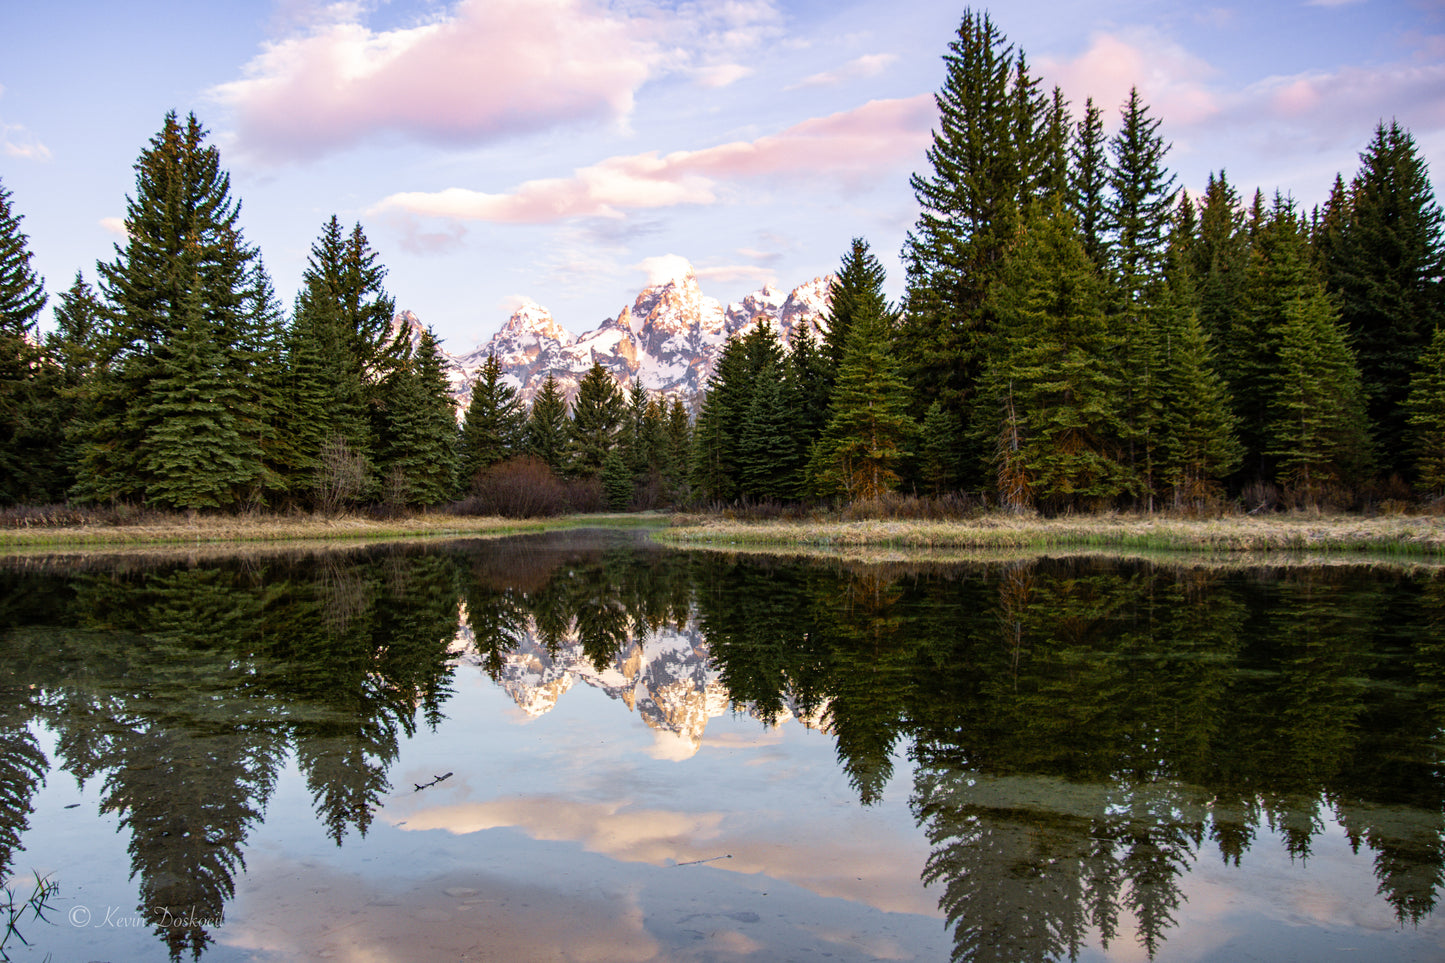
x,y
869,65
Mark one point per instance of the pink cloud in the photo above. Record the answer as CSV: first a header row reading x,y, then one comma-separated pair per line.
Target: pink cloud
x,y
1171,80
853,147
488,69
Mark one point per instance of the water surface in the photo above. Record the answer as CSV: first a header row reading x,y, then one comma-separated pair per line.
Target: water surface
x,y
587,747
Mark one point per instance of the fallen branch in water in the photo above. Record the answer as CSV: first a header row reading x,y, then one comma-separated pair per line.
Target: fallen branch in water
x,y
710,859
421,786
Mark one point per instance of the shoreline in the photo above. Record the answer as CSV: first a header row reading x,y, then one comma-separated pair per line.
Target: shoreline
x,y
246,532
1398,537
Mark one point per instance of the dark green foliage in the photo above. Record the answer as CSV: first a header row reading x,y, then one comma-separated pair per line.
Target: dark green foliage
x,y
938,449
195,400
1088,180
857,290
29,458
810,374
1137,218
492,428
869,432
718,442
545,432
768,457
983,167
1053,390
418,449
677,452
1290,355
1317,427
1385,259
345,346
22,291
1197,448
1425,409
598,415
183,307
1218,257
616,481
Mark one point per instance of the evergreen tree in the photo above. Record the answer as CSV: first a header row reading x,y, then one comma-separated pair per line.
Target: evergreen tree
x,y
180,303
22,291
1054,388
616,480
1217,262
678,445
1425,409
717,463
72,346
1388,268
27,448
1317,428
808,374
857,289
1279,276
769,463
345,345
598,415
869,430
195,399
1197,446
938,446
546,430
1137,217
493,426
1088,180
985,163
635,452
418,444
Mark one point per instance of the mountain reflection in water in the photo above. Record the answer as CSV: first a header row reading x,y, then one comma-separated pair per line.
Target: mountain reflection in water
x,y
1073,736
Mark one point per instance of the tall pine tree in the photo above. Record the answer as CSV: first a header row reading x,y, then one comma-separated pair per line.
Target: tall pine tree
x,y
493,424
1387,266
181,307
29,455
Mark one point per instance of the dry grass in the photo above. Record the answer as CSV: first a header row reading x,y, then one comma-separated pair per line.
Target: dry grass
x,y
177,530
1393,536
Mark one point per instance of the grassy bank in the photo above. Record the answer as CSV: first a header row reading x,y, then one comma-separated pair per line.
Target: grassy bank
x,y
1394,535
177,530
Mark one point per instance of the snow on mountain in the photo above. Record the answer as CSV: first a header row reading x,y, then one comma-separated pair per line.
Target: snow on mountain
x,y
666,677
669,337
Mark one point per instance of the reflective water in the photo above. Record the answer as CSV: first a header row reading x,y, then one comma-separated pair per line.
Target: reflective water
x,y
586,747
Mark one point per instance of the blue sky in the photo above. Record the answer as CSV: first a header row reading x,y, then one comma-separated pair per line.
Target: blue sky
x,y
569,151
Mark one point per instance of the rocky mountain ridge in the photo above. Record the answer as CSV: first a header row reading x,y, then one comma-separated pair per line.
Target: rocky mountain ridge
x,y
669,337
666,677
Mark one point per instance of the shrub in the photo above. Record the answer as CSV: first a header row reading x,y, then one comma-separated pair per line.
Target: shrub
x,y
525,487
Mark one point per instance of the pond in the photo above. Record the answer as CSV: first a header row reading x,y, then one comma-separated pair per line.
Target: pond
x,y
584,746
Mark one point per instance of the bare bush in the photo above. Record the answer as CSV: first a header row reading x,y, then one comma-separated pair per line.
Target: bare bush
x,y
342,476
525,487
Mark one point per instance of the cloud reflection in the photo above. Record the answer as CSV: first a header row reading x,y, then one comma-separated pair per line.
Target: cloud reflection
x,y
876,867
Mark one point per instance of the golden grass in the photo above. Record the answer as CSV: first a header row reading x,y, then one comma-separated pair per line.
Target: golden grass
x,y
239,530
1392,536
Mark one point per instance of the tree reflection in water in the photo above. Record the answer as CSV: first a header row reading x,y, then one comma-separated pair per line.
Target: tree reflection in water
x,y
1079,731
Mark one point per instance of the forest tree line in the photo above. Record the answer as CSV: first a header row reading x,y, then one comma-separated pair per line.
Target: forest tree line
x,y
1076,333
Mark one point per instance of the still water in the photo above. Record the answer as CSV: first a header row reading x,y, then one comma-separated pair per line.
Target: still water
x,y
587,747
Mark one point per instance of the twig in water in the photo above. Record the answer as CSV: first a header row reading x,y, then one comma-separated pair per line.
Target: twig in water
x,y
710,859
421,786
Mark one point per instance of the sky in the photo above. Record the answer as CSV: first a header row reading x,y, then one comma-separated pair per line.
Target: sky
x,y
570,152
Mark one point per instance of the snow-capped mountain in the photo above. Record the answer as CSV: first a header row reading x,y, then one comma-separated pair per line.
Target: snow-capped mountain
x,y
666,677
669,337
